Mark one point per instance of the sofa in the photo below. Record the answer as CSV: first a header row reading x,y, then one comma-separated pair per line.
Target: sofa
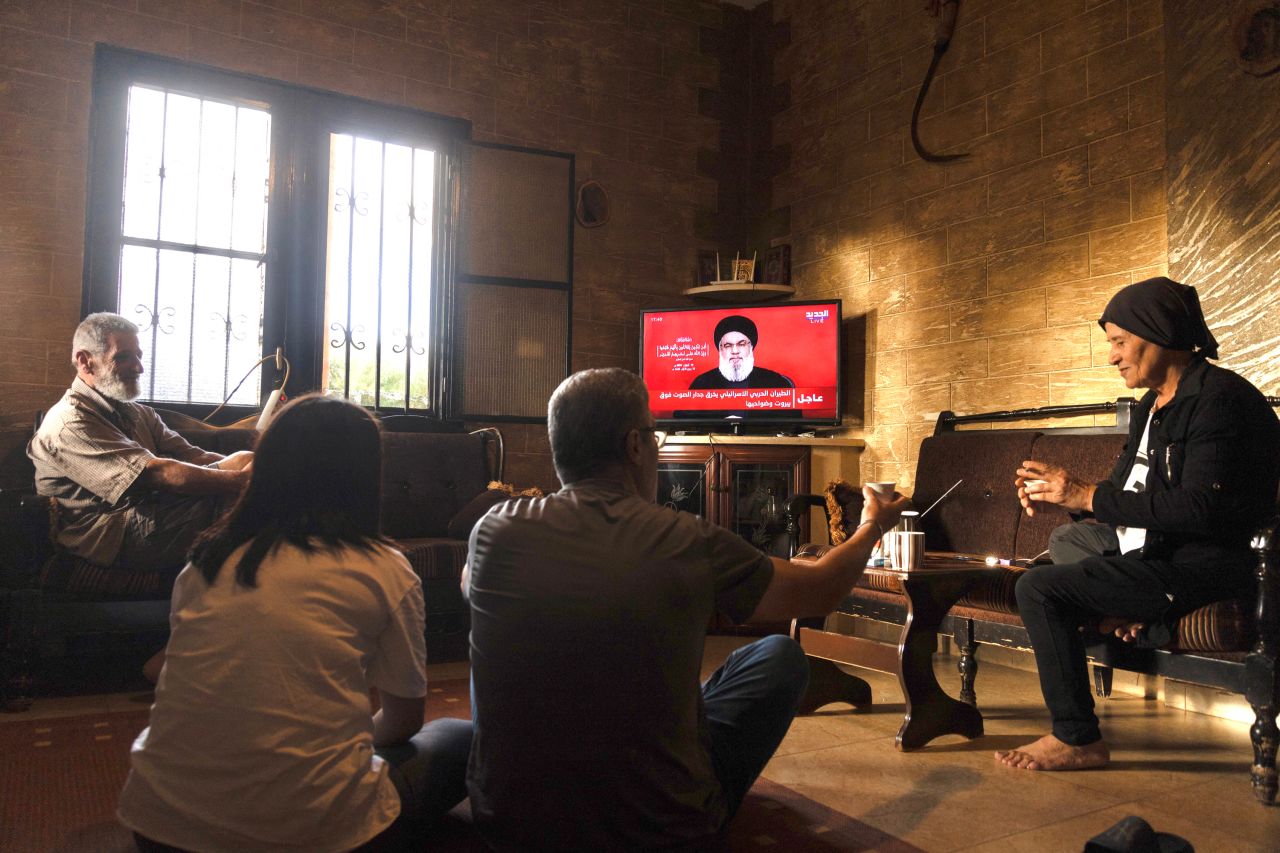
x,y
1231,645
55,607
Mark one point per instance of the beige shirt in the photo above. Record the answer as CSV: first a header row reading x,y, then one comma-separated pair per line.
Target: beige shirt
x,y
88,454
261,735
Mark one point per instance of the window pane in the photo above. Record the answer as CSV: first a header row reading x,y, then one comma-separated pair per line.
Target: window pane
x,y
338,241
424,177
144,137
379,266
171,344
216,167
181,184
253,172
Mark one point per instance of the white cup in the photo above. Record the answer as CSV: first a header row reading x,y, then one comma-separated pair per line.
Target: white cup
x,y
905,550
884,491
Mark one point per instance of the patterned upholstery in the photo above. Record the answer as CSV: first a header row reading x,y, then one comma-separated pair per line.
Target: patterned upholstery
x,y
435,559
81,580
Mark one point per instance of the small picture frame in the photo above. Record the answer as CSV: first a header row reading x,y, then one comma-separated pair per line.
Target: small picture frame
x,y
777,264
707,271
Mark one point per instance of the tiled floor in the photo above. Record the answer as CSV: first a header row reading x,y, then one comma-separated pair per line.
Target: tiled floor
x,y
1183,772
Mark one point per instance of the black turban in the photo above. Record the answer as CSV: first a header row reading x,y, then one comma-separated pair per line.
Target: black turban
x,y
736,323
1164,312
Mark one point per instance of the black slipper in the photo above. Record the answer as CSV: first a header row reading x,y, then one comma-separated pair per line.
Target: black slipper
x,y
1135,835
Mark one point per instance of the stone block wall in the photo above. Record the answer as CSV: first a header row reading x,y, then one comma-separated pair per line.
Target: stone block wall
x,y
969,286
978,281
630,88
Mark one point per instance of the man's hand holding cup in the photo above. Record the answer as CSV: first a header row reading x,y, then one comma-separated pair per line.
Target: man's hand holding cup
x,y
1042,482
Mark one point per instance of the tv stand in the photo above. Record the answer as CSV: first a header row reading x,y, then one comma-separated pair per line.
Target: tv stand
x,y
727,478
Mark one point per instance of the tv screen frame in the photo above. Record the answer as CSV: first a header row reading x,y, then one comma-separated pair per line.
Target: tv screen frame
x,y
767,422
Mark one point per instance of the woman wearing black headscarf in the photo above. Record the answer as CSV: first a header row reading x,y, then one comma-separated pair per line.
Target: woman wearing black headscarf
x,y
1198,474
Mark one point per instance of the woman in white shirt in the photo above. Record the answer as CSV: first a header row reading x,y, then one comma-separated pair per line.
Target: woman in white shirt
x,y
262,736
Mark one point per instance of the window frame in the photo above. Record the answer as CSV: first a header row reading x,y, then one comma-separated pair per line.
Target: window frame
x,y
302,120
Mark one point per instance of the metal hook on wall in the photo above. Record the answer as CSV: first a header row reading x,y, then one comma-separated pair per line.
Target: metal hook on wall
x,y
945,11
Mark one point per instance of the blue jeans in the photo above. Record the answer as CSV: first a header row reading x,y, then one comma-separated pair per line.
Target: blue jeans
x,y
750,702
430,774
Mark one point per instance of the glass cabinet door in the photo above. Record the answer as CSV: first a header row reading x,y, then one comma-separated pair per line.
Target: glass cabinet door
x,y
755,484
685,474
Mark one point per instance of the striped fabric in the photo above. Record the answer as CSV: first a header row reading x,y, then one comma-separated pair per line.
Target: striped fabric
x,y
82,580
435,559
1225,626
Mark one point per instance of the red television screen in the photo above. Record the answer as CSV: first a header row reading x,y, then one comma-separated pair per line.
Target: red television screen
x,y
773,363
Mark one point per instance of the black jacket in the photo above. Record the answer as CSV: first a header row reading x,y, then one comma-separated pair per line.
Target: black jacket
x,y
1214,452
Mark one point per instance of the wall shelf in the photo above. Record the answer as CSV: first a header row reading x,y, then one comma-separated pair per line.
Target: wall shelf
x,y
739,291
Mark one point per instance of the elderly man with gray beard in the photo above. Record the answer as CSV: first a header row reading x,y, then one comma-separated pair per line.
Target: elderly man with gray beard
x,y
131,492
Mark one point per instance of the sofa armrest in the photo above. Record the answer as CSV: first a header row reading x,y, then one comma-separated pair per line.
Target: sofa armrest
x,y
797,508
495,451
1266,545
27,533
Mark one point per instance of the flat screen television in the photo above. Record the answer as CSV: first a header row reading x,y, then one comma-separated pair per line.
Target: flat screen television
x,y
743,368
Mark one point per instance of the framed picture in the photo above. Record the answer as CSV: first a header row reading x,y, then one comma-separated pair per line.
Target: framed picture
x,y
777,264
707,271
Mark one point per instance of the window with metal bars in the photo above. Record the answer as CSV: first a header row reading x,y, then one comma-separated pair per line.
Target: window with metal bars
x,y
232,216
378,279
193,234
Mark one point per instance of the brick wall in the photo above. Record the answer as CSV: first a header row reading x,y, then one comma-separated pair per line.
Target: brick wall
x,y
624,86
978,281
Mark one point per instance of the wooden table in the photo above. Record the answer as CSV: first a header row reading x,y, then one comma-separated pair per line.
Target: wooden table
x,y
930,592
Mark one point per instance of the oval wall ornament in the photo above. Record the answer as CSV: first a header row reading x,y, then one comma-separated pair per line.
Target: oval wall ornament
x,y
592,207
1255,33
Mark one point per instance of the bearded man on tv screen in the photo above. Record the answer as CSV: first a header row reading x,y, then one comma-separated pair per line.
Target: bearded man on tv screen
x,y
735,338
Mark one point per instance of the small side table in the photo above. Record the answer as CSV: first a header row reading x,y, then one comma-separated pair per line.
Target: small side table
x,y
930,593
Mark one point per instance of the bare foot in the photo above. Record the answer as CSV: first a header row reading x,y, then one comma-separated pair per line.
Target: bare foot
x,y
1049,753
1123,629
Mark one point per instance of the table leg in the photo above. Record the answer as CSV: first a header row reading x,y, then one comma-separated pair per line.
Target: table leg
x,y
930,713
829,683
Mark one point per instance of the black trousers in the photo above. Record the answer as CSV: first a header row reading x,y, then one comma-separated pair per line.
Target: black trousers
x,y
1056,601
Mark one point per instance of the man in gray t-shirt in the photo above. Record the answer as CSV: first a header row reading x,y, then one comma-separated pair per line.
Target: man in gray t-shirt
x,y
589,614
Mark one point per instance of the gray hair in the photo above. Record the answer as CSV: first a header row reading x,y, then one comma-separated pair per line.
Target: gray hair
x,y
92,333
588,418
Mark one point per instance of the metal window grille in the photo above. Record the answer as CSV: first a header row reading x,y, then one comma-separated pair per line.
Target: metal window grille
x,y
379,272
193,234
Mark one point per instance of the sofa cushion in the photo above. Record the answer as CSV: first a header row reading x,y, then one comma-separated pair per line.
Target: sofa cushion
x,y
1089,457
981,515
1224,626
994,592
80,580
225,441
435,559
427,478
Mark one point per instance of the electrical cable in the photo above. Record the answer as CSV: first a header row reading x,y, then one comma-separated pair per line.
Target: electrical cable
x,y
273,357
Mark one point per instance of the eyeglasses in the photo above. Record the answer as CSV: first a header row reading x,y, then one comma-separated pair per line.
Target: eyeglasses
x,y
659,436
730,346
